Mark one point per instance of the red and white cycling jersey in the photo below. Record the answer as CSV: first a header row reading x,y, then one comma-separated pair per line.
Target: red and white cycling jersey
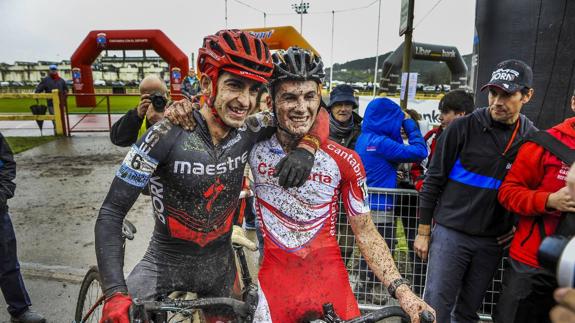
x,y
302,266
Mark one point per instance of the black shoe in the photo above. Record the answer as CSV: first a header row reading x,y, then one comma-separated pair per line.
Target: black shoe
x,y
28,317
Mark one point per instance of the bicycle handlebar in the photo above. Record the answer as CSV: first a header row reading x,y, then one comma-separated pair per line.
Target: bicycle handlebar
x,y
386,312
139,309
157,306
392,311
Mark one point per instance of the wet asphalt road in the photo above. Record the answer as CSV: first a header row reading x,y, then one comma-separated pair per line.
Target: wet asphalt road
x,y
60,187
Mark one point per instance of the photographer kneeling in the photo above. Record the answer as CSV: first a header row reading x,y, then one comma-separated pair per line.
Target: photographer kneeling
x,y
150,110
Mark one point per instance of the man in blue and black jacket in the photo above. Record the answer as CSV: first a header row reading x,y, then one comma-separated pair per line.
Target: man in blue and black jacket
x,y
472,157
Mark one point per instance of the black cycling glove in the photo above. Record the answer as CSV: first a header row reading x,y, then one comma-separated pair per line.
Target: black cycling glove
x,y
294,169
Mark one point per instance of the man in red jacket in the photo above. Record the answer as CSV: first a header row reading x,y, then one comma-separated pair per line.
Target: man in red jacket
x,y
535,190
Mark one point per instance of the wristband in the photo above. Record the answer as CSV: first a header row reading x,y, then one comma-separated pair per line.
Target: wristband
x,y
392,288
424,230
107,298
310,141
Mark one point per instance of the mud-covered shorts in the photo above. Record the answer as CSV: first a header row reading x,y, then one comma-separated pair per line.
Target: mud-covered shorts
x,y
159,274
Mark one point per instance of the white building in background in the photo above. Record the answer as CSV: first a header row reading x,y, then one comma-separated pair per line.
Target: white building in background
x,y
106,68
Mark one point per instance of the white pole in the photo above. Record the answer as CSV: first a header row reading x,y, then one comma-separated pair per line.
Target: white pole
x,y
226,1
377,49
331,60
301,17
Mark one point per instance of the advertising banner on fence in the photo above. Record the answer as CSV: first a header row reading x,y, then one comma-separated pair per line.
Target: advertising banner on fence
x,y
427,109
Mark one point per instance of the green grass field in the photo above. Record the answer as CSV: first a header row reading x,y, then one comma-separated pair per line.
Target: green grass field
x,y
20,144
118,104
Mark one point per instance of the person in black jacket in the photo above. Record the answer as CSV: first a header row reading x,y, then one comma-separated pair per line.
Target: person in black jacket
x,y
11,282
472,157
53,82
126,131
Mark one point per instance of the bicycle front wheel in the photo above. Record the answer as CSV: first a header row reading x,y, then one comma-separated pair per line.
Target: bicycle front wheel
x,y
90,299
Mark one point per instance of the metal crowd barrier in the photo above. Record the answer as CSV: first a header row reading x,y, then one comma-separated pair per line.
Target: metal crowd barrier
x,y
399,228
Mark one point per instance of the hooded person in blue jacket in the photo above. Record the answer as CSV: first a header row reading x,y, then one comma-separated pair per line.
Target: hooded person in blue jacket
x,y
382,149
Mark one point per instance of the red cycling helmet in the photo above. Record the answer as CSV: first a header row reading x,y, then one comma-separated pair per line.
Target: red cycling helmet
x,y
237,52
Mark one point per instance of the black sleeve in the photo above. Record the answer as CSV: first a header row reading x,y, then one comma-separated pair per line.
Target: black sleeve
x,y
124,132
41,87
7,172
448,147
134,173
64,87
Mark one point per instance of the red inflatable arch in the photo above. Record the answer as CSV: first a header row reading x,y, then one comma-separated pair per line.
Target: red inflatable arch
x,y
98,40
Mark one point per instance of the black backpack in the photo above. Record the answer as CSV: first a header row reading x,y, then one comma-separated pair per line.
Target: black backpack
x,y
566,225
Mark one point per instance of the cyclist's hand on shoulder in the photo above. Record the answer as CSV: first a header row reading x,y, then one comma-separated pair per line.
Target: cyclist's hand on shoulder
x,y
180,113
294,169
412,304
116,308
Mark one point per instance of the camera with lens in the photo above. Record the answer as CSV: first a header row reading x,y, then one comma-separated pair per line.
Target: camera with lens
x,y
557,254
159,101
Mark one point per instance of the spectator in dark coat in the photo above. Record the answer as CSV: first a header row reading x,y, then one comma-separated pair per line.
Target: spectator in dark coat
x,y
53,82
344,122
11,282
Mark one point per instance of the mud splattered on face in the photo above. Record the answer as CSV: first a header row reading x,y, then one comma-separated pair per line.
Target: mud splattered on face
x,y
235,98
297,104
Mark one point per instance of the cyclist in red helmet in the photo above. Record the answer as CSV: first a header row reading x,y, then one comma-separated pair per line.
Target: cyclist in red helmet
x,y
195,178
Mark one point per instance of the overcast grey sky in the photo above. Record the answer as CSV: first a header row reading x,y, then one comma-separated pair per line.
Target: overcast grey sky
x,y
32,30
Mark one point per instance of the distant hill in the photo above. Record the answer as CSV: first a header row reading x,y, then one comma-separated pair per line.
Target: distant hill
x,y
361,70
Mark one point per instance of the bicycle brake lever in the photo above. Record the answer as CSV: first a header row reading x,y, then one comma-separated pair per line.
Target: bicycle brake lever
x,y
426,317
329,314
137,312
